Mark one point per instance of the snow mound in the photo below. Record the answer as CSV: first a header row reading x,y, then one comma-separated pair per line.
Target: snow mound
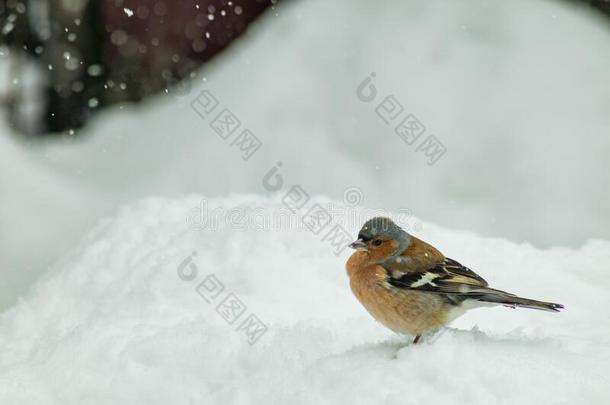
x,y
139,314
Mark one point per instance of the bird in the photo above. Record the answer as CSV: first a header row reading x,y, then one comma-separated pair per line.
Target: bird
x,y
412,288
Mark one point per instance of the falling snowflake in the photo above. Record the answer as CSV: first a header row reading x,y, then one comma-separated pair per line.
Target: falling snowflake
x,y
128,11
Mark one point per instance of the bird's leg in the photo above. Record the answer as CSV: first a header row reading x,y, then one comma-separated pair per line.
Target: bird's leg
x,y
416,340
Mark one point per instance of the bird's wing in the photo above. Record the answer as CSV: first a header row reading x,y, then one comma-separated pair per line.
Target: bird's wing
x,y
457,284
444,277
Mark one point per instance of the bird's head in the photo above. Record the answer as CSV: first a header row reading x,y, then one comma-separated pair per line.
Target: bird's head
x,y
381,238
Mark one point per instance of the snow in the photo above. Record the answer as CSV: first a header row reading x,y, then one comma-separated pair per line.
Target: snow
x,y
119,320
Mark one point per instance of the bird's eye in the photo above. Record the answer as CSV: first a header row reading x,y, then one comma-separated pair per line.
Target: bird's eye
x,y
377,242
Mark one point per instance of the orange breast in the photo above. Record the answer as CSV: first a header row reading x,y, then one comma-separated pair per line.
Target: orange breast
x,y
407,312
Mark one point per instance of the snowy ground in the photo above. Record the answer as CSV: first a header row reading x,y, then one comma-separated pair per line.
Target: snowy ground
x,y
120,321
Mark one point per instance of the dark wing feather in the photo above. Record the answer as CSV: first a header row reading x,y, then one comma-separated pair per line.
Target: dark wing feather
x,y
446,277
458,283
453,267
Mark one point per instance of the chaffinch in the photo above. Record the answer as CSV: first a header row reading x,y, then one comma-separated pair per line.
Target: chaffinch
x,y
411,287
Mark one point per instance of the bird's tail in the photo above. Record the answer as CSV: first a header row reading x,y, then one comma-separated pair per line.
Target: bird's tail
x,y
511,300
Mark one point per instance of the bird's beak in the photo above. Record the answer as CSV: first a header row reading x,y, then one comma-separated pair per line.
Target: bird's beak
x,y
358,245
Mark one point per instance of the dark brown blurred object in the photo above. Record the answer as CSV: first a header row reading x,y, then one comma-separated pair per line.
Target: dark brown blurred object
x,y
98,53
603,5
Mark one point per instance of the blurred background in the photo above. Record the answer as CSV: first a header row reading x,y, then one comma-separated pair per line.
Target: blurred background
x,y
483,115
